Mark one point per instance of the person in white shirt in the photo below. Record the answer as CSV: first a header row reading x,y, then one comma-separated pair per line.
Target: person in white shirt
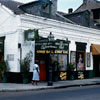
x,y
36,71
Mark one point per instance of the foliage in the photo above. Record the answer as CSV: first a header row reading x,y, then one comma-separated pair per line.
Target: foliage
x,y
70,67
4,67
36,35
25,64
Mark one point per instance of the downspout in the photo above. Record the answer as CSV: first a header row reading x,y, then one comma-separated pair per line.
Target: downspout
x,y
50,9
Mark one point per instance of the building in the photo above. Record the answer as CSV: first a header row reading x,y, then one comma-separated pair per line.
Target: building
x,y
81,42
89,19
81,18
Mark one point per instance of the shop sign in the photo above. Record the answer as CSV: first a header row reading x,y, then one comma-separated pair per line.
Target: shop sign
x,y
80,75
63,75
88,60
55,47
10,57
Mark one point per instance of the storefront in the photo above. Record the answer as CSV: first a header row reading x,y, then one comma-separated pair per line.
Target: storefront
x,y
81,60
58,50
77,52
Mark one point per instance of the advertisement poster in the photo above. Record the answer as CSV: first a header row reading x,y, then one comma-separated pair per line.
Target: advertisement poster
x,y
73,58
80,61
63,75
88,60
62,60
80,75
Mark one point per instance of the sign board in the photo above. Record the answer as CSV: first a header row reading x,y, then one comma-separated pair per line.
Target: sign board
x,y
54,47
80,75
10,57
63,75
31,34
88,60
73,58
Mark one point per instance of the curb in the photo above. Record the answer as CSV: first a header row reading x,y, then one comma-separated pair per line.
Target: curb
x,y
47,87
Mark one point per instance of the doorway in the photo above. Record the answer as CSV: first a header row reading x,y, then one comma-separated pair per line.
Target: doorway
x,y
43,64
96,64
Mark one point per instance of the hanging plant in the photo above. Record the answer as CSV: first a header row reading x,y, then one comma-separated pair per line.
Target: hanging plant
x,y
31,34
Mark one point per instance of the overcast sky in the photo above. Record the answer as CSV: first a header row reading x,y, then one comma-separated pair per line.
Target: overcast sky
x,y
63,5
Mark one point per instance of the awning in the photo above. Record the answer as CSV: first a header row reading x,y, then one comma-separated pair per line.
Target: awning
x,y
95,49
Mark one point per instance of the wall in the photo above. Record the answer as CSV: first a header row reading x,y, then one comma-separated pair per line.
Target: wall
x,y
26,46
61,30
8,28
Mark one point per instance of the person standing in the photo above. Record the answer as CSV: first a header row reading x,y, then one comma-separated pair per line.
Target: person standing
x,y
36,71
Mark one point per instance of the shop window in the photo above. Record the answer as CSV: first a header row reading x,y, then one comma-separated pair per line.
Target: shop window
x,y
59,62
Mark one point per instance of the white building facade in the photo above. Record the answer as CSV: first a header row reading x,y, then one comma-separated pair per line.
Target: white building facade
x,y
12,28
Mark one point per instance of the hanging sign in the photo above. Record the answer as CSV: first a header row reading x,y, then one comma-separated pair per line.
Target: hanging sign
x,y
54,47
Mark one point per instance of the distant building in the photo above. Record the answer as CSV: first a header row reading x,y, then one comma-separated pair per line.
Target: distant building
x,y
91,19
81,18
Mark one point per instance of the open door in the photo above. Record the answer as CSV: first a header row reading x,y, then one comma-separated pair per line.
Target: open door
x,y
42,64
96,65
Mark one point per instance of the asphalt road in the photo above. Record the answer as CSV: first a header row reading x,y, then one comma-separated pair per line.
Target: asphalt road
x,y
74,93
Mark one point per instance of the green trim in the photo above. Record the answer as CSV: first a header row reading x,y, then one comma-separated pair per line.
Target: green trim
x,y
36,35
91,74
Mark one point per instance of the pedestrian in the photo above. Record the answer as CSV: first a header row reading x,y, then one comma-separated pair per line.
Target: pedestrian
x,y
36,71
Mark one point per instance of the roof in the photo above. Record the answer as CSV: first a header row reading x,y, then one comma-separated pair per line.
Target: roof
x,y
37,4
16,8
88,6
61,13
29,3
12,5
34,2
73,13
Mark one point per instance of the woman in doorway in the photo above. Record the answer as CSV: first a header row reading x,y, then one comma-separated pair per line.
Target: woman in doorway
x,y
36,72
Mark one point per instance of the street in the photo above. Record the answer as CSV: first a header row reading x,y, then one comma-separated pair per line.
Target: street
x,y
72,93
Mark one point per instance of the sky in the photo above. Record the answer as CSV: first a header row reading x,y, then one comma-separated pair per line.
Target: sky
x,y
63,5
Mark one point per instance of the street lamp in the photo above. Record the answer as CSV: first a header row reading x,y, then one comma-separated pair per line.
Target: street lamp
x,y
50,40
51,37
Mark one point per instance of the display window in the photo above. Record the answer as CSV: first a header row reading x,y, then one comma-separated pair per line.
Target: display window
x,y
61,61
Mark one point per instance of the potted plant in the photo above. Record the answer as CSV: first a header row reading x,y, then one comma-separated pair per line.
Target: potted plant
x,y
25,67
70,70
4,68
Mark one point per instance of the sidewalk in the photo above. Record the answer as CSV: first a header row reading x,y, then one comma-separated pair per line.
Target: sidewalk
x,y
4,87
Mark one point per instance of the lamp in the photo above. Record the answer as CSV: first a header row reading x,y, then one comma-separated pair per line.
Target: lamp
x,y
51,37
